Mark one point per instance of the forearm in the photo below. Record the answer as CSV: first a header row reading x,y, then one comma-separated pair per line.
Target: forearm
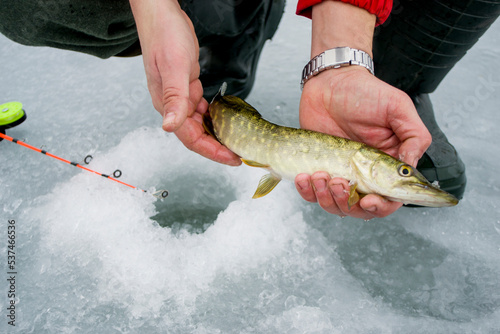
x,y
335,24
148,14
147,8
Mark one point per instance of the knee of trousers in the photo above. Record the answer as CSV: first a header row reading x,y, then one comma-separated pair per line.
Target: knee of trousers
x,y
102,28
213,20
422,40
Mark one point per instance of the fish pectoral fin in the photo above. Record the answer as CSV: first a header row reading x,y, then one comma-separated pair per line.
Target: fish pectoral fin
x,y
266,185
254,164
353,196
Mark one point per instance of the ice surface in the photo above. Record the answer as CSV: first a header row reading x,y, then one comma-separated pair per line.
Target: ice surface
x,y
97,257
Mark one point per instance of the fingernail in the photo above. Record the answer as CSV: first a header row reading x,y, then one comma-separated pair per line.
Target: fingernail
x,y
338,190
371,209
303,184
169,118
409,158
319,185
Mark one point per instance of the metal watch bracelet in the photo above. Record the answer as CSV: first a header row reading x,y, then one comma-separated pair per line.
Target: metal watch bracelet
x,y
335,58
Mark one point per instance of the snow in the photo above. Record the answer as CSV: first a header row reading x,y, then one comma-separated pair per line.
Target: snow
x,y
94,256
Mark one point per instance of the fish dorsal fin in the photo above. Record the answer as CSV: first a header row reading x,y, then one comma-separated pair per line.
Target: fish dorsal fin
x,y
254,163
266,185
240,106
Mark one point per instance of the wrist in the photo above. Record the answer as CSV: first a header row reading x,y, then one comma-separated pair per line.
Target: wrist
x,y
148,12
334,59
337,24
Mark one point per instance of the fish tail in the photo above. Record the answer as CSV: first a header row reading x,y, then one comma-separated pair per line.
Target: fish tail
x,y
222,91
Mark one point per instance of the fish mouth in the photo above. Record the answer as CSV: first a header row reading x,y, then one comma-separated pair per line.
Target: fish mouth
x,y
423,186
430,195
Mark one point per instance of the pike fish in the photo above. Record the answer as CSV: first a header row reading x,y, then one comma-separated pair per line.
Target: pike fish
x,y
286,152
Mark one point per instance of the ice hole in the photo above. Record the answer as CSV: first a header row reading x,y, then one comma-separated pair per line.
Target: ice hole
x,y
193,209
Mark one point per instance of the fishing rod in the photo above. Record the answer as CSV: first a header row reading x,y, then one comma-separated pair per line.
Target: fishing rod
x,y
12,114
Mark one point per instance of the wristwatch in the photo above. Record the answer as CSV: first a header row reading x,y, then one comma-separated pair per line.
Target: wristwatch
x,y
335,58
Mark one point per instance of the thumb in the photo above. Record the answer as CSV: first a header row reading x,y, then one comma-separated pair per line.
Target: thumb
x,y
412,149
175,100
414,136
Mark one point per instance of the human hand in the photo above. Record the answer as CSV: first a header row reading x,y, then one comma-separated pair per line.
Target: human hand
x,y
170,54
350,102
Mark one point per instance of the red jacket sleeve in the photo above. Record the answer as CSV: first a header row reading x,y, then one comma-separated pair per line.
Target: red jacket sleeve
x,y
381,8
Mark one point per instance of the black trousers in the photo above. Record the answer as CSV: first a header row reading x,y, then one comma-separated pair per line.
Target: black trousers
x,y
423,39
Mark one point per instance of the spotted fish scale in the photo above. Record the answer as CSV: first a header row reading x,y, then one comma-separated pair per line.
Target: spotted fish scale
x,y
287,152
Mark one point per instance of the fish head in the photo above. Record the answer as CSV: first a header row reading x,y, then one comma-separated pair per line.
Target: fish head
x,y
397,181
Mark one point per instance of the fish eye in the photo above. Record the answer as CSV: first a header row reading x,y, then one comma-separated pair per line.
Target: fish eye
x,y
405,170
